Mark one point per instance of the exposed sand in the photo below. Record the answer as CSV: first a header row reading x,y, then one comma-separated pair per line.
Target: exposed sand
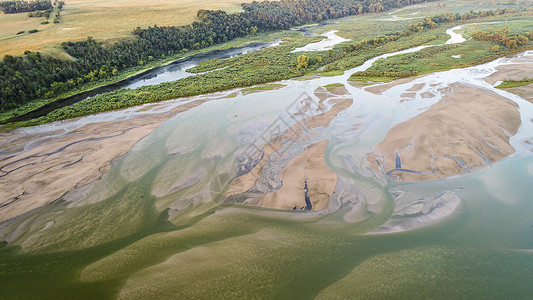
x,y
526,91
247,181
261,88
521,68
361,84
337,90
307,167
379,89
413,212
416,87
468,129
33,178
297,132
408,95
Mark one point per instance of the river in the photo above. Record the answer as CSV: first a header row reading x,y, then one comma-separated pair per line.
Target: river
x,y
477,244
171,72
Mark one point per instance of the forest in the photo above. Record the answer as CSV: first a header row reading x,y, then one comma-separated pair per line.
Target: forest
x,y
34,76
13,7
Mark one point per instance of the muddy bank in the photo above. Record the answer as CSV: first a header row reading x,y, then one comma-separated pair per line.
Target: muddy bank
x,y
525,92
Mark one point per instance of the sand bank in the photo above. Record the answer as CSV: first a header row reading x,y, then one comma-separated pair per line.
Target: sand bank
x,y
378,89
411,213
54,166
520,67
308,171
467,130
306,180
526,92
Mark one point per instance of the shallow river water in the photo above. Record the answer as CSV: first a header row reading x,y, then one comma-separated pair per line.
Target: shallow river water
x,y
483,248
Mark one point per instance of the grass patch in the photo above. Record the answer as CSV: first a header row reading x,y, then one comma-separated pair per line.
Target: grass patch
x,y
514,83
265,87
334,85
367,79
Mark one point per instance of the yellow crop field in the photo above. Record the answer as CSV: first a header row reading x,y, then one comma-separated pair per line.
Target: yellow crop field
x,y
101,19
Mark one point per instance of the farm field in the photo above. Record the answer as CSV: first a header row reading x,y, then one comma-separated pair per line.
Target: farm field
x,y
101,19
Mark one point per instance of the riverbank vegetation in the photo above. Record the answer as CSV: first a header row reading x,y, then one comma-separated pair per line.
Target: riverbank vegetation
x,y
275,63
480,49
278,63
35,76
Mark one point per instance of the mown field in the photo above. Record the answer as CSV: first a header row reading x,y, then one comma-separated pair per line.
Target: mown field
x,y
101,19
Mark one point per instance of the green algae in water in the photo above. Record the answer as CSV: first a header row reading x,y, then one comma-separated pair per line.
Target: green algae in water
x,y
123,244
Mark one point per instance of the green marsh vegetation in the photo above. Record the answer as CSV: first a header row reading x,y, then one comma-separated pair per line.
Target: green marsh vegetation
x,y
512,27
515,83
278,63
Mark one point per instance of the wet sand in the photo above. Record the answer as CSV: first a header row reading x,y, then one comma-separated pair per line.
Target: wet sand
x,y
411,213
521,67
378,89
467,130
56,165
306,174
525,92
306,170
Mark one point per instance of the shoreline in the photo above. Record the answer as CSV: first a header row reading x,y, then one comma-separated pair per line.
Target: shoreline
x,y
137,127
69,160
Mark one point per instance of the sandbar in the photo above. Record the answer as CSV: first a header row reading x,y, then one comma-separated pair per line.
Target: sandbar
x,y
467,130
51,167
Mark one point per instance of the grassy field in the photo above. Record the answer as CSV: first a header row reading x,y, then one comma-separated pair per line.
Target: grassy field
x,y
115,19
101,19
375,24
448,57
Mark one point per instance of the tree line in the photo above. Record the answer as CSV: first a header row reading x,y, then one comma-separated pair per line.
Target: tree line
x,y
34,76
13,7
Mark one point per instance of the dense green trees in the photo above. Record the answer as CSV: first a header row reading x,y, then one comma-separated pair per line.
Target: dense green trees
x,y
35,76
18,6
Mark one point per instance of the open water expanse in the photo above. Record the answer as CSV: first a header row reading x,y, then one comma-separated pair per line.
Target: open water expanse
x,y
473,239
